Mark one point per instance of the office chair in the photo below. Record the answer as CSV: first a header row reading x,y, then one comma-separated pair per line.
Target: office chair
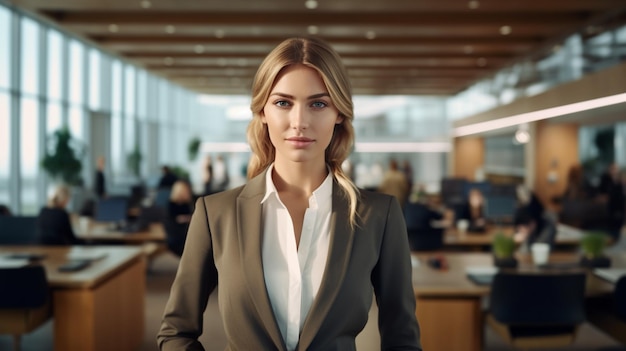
x,y
608,314
24,301
176,235
537,310
422,235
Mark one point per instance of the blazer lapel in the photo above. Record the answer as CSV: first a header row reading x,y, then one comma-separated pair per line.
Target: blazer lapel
x,y
336,266
249,230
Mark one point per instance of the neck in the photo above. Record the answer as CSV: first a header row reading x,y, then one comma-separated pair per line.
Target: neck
x,y
298,177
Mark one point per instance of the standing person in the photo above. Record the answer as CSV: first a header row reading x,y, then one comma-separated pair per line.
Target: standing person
x,y
220,175
298,250
53,222
168,178
99,179
208,176
611,190
394,183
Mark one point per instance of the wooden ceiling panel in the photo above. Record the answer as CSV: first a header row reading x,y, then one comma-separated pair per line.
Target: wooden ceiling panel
x,y
432,47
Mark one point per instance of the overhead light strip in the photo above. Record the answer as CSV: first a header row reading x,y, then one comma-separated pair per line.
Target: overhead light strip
x,y
528,117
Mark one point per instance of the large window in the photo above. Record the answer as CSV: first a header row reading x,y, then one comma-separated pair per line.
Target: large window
x,y
55,65
5,48
95,69
29,154
76,76
5,146
30,57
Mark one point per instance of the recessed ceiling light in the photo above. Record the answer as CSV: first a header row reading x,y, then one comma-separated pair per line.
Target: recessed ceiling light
x,y
113,28
219,33
313,29
198,49
481,62
170,29
506,30
468,49
370,34
168,61
310,4
146,4
473,4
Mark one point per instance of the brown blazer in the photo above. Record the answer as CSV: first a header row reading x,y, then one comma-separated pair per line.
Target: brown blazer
x,y
224,243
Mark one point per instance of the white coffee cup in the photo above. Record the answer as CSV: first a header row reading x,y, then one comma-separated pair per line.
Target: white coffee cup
x,y
462,225
540,252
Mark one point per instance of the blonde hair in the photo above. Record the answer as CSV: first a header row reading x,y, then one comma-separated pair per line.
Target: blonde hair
x,y
59,196
319,55
181,192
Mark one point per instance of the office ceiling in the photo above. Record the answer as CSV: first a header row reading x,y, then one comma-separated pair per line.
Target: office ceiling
x,y
423,47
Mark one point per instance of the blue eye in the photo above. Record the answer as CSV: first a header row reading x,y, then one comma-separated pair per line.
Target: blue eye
x,y
282,103
319,104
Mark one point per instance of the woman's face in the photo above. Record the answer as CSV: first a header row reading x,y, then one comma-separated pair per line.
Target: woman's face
x,y
300,116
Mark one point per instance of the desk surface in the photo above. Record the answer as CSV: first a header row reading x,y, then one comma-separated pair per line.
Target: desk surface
x,y
112,259
567,236
87,229
453,281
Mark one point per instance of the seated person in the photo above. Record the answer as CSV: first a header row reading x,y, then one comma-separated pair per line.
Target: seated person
x,y
533,227
53,223
473,211
179,210
180,206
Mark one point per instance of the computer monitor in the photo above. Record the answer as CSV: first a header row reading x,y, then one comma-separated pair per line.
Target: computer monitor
x,y
112,209
500,208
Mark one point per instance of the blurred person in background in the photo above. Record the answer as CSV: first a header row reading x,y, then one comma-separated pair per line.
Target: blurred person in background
x,y
53,222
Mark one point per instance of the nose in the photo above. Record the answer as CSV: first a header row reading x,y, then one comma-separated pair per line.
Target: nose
x,y
299,118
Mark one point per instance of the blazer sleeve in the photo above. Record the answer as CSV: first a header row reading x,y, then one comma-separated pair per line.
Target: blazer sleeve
x,y
195,279
392,281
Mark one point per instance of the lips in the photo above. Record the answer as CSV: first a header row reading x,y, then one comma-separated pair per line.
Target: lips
x,y
300,142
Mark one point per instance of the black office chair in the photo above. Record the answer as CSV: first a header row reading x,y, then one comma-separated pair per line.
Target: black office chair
x,y
608,313
24,301
537,310
176,235
422,235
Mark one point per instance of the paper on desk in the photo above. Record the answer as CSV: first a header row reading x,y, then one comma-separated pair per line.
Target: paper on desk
x,y
13,262
85,254
481,270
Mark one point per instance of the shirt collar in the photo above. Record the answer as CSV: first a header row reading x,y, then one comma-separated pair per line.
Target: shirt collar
x,y
324,191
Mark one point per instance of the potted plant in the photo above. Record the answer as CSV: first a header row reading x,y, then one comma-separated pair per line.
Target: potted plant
x,y
133,161
593,244
62,158
503,247
193,148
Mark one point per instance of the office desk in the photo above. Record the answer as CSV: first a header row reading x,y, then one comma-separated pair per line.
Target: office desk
x,y
100,308
567,237
449,305
90,230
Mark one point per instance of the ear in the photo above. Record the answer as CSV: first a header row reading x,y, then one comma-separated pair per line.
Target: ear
x,y
262,116
339,119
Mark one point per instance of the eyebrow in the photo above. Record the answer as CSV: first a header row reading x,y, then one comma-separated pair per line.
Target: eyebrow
x,y
314,96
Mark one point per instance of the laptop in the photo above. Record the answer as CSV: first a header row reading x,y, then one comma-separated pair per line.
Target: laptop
x,y
610,274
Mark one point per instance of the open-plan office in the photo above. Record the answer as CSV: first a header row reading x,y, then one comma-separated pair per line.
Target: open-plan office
x,y
483,92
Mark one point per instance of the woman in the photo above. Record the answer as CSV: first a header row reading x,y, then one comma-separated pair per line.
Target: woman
x,y
298,250
53,223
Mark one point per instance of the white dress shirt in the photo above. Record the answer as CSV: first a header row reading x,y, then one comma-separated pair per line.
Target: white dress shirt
x,y
293,273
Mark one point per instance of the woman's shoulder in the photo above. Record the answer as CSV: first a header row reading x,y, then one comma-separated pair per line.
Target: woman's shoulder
x,y
374,198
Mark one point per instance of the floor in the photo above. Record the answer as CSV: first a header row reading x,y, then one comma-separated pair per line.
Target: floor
x,y
160,278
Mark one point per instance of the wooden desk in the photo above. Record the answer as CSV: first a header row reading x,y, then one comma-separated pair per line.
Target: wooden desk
x,y
449,306
90,230
101,307
566,237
